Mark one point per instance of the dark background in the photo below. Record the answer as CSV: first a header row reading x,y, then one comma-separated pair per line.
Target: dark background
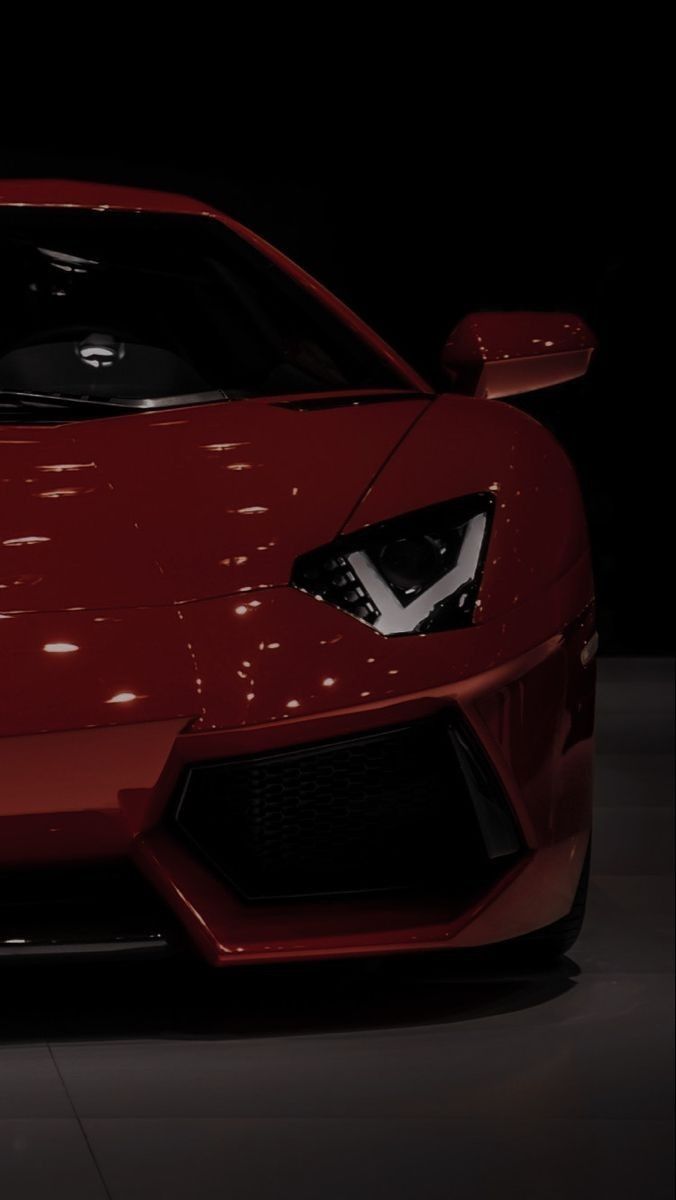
x,y
414,222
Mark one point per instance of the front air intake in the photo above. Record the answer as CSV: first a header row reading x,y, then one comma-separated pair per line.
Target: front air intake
x,y
378,811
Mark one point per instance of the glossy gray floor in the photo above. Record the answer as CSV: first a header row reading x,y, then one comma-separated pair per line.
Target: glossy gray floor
x,y
410,1079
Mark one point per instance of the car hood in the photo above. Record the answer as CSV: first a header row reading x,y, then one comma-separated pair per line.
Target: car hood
x,y
164,507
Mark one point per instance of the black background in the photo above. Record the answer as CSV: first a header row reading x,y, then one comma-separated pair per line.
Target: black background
x,y
416,214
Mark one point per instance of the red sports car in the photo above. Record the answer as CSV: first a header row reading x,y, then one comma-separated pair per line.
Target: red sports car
x,y
297,652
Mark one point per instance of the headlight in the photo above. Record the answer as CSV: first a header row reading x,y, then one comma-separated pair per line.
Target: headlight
x,y
414,574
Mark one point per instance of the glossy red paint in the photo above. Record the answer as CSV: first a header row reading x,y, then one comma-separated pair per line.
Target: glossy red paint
x,y
64,795
464,445
147,622
502,354
163,507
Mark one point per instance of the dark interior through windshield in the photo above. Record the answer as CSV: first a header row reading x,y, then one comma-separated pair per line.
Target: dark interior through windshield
x,y
121,305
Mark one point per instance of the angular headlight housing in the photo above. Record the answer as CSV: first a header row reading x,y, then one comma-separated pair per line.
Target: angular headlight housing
x,y
414,574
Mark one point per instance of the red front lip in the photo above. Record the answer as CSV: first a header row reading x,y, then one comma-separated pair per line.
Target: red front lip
x,y
534,893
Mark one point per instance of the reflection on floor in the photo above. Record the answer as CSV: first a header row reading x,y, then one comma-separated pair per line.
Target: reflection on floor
x,y
414,1079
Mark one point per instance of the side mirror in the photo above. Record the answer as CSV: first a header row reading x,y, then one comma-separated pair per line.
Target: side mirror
x,y
496,354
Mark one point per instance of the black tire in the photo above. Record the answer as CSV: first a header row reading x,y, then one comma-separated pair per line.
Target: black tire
x,y
554,940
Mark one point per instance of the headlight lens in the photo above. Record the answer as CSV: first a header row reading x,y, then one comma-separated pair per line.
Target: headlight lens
x,y
414,574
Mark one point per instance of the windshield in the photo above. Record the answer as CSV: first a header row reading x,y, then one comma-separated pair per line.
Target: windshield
x,y
139,306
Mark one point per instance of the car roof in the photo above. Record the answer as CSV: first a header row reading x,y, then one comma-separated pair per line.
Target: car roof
x,y
77,194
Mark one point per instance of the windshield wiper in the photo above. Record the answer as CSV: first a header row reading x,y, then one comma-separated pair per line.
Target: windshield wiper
x,y
9,397
42,403
43,406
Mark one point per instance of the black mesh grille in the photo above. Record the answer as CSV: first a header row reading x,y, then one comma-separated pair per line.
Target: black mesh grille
x,y
379,811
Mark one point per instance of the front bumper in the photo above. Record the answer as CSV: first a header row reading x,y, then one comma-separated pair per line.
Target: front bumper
x,y
283,672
